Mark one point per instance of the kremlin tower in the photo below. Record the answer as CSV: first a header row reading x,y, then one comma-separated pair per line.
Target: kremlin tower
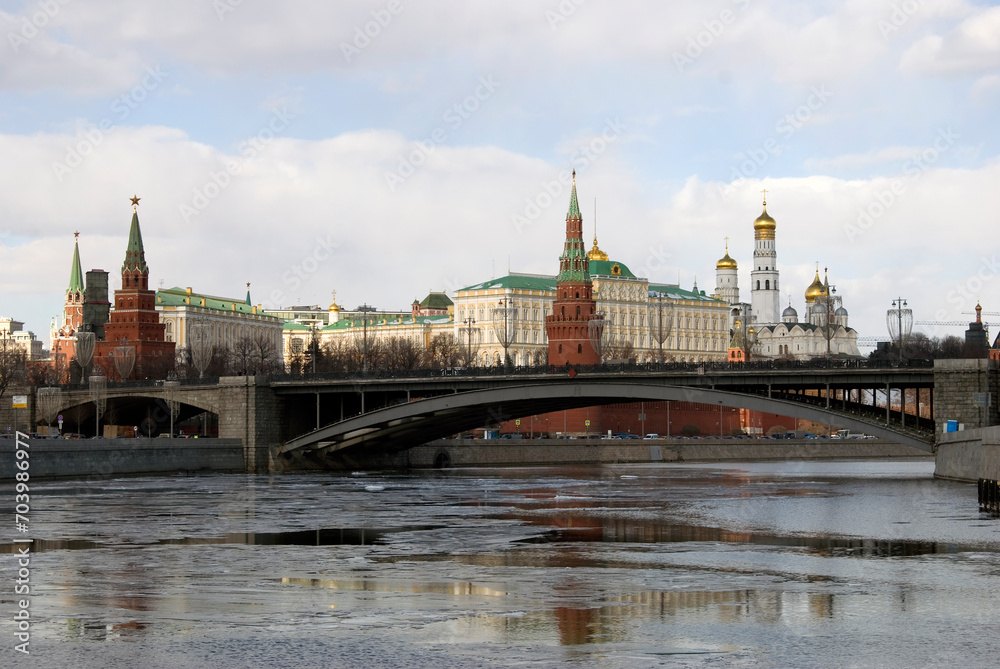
x,y
135,323
63,338
568,327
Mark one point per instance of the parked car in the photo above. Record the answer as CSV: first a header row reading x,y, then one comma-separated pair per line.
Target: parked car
x,y
511,435
652,435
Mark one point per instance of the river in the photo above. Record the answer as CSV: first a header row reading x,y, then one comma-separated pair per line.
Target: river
x,y
791,564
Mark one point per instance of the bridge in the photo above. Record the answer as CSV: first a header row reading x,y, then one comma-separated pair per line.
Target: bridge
x,y
341,420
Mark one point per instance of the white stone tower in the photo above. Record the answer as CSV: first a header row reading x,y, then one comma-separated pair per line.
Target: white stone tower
x,y
726,283
764,290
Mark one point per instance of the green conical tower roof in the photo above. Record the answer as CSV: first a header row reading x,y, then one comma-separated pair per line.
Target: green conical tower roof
x,y
75,272
574,206
248,294
135,255
573,263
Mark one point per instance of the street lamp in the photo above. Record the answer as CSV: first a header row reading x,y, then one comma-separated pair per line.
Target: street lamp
x,y
899,320
84,351
365,309
661,327
469,331
173,406
99,395
599,334
504,318
827,322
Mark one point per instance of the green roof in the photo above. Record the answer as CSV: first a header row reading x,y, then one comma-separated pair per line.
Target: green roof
x,y
377,321
179,297
574,206
75,273
678,293
436,301
603,268
292,325
515,282
135,255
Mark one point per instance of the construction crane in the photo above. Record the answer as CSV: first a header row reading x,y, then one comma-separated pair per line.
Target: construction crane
x,y
963,324
871,341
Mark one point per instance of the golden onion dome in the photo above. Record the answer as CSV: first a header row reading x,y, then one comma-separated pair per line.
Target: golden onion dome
x,y
725,262
764,221
815,289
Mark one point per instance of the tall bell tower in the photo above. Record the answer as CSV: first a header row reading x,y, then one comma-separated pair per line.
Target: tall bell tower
x,y
765,296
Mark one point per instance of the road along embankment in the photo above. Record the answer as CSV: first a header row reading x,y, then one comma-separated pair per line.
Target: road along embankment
x,y
513,452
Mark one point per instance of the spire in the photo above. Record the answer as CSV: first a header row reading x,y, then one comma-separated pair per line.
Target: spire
x,y
75,273
979,312
573,263
596,253
135,255
574,206
248,293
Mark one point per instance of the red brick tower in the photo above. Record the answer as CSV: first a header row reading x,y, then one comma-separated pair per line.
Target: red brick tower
x,y
568,327
64,337
134,319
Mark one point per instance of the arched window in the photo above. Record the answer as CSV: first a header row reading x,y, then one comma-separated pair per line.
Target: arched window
x,y
767,285
560,348
758,284
579,348
578,311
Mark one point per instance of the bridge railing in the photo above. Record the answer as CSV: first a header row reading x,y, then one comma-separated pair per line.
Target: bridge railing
x,y
625,367
611,368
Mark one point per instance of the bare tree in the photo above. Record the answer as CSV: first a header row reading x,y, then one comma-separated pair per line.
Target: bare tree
x,y
399,353
443,351
12,365
266,354
241,357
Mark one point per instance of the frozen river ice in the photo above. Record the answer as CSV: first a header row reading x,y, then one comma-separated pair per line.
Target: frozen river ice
x,y
805,564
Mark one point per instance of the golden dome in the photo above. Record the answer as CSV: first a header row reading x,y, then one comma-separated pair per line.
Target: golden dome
x,y
726,262
815,289
764,221
596,253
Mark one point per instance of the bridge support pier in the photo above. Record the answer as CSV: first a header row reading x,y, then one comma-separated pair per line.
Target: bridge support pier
x,y
249,411
958,384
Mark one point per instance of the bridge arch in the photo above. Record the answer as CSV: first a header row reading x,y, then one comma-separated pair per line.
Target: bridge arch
x,y
403,426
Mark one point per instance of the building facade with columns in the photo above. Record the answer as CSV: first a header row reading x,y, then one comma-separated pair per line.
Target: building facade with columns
x,y
223,320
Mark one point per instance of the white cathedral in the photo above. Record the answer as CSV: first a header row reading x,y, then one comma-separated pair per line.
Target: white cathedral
x,y
759,330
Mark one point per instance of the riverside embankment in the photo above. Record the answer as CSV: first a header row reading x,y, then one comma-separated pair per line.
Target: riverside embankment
x,y
504,452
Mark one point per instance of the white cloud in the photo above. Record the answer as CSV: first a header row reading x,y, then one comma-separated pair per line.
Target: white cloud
x,y
33,60
875,157
972,47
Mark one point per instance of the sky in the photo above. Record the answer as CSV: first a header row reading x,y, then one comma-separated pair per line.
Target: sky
x,y
386,149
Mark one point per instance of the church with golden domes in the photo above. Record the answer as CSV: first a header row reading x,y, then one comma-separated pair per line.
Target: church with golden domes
x,y
758,329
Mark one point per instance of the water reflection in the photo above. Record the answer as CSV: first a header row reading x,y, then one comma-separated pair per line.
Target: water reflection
x,y
457,588
577,528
